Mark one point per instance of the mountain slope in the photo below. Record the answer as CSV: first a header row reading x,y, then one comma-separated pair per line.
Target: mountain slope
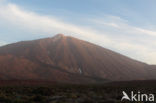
x,y
64,58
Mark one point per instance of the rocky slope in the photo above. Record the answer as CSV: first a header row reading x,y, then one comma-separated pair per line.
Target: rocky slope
x,y
67,59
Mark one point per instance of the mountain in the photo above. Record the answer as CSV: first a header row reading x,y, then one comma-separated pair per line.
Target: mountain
x,y
67,59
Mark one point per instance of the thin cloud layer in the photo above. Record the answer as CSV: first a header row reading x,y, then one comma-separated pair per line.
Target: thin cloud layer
x,y
115,33
2,43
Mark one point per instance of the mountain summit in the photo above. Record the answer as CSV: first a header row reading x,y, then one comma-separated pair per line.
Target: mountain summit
x,y
67,59
59,36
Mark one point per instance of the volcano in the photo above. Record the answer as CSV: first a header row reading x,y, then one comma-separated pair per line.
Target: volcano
x,y
68,59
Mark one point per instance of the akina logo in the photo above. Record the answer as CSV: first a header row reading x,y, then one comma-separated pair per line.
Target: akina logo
x,y
138,97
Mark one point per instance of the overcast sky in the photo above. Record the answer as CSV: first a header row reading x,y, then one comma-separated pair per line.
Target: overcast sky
x,y
124,26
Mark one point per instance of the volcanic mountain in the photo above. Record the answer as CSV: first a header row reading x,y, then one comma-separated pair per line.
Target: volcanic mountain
x,y
67,59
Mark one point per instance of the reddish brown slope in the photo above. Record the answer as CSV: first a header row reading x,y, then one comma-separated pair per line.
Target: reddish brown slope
x,y
64,58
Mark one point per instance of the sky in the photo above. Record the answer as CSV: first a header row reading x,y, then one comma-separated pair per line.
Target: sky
x,y
125,26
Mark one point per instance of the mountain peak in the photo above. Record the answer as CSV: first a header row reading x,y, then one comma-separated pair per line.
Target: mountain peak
x,y
59,35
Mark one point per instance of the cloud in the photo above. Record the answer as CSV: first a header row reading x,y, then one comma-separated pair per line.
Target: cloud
x,y
2,43
129,40
112,32
139,52
13,15
148,32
